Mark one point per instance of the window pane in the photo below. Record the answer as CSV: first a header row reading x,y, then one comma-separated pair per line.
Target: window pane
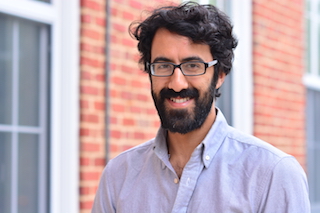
x,y
5,171
5,70
29,73
224,102
28,177
313,136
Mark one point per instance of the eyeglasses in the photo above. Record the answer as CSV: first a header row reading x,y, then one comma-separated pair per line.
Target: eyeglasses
x,y
190,68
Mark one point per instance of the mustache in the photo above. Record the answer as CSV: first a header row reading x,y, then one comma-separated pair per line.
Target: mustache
x,y
170,93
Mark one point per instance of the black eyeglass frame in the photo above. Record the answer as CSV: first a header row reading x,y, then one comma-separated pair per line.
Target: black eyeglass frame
x,y
206,65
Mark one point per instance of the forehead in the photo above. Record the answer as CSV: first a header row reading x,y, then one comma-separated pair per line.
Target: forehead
x,y
176,47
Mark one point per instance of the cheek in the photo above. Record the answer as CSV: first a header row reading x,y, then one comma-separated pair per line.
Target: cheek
x,y
202,84
157,84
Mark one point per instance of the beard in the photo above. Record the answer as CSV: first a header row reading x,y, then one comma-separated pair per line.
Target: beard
x,y
184,120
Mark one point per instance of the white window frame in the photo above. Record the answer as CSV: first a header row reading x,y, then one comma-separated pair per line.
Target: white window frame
x,y
242,80
312,79
63,17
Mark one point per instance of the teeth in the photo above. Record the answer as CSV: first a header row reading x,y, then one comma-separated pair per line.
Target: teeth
x,y
179,100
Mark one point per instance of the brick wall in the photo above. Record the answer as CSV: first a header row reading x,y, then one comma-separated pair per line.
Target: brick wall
x,y
92,99
279,95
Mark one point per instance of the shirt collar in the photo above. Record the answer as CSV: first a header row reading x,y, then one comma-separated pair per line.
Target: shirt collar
x,y
214,138
210,144
160,147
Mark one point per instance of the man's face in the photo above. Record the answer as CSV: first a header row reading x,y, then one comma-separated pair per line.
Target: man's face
x,y
183,102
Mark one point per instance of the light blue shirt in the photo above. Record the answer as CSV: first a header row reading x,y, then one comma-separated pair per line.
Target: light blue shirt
x,y
228,172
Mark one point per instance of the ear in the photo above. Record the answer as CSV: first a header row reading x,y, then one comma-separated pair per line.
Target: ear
x,y
220,81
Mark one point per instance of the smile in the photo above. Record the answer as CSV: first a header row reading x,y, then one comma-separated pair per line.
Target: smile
x,y
179,100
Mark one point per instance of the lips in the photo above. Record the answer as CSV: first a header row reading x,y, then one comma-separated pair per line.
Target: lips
x,y
179,100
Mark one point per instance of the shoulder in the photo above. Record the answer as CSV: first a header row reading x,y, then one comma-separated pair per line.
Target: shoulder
x,y
247,143
132,158
256,156
276,175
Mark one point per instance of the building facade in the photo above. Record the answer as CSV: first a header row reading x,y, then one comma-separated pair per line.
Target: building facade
x,y
73,96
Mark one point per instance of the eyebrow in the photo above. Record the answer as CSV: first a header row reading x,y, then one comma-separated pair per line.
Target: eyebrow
x,y
164,59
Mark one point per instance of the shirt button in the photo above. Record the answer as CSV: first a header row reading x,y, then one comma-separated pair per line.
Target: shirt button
x,y
176,180
207,157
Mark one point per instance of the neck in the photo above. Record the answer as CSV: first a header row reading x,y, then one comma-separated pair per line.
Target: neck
x,y
181,146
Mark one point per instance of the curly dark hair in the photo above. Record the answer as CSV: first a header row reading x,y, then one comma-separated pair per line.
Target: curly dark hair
x,y
203,24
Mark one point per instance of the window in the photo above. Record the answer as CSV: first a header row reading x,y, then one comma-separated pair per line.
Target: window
x,y
23,115
237,88
312,82
39,112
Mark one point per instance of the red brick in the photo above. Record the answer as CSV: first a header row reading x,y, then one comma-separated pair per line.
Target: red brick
x,y
115,134
100,21
94,5
100,77
135,109
114,148
119,80
135,4
139,135
120,27
113,120
84,104
128,15
91,34
86,18
84,190
126,69
128,122
142,97
89,90
126,95
86,75
84,161
90,175
100,162
118,107
84,132
99,105
86,205
91,118
126,147
91,62
90,147
129,42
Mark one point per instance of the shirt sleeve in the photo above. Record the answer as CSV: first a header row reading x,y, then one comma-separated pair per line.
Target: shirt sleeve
x,y
286,189
103,202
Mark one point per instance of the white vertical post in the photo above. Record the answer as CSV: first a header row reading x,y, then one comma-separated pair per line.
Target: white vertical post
x,y
242,81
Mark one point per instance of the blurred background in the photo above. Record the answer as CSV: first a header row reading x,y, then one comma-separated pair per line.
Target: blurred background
x,y
73,96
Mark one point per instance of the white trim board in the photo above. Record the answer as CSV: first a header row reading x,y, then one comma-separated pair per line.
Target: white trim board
x,y
242,81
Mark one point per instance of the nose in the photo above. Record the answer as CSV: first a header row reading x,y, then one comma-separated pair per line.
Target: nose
x,y
178,81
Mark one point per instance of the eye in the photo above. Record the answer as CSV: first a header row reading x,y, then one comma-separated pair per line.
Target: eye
x,y
192,65
162,66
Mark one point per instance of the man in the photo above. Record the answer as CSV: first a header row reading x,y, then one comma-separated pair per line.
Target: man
x,y
196,163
